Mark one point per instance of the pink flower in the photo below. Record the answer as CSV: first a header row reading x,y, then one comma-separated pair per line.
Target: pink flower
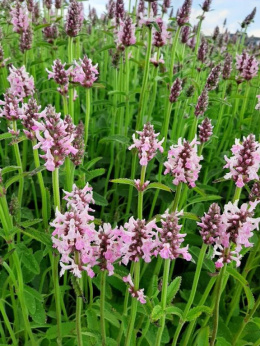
x,y
19,18
247,65
126,33
10,110
84,72
147,145
211,225
75,18
245,163
21,84
56,141
258,104
157,61
169,246
60,75
160,37
183,162
139,294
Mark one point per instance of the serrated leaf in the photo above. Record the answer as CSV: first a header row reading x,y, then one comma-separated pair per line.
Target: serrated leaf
x,y
30,302
197,311
27,259
236,275
91,163
99,200
67,328
43,238
173,310
173,289
29,223
116,138
250,297
203,337
94,173
203,199
123,181
6,135
157,313
158,186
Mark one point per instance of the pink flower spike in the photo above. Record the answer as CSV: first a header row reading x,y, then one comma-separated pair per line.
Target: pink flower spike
x,y
21,84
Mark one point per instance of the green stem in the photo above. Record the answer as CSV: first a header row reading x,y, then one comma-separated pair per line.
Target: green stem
x,y
244,105
102,307
192,294
174,45
7,323
216,309
78,316
87,116
71,90
20,170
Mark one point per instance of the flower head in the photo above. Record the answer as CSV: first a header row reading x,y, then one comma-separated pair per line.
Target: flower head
x,y
183,13
85,73
247,65
203,50
206,5
147,144
20,19
185,33
213,78
139,294
21,84
245,163
60,75
175,90
30,113
205,130
211,224
248,20
75,17
26,40
10,109
119,11
202,103
126,33
183,162
160,37
227,68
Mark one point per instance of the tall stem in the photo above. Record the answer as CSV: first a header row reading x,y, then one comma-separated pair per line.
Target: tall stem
x,y
192,294
20,170
102,307
87,116
71,90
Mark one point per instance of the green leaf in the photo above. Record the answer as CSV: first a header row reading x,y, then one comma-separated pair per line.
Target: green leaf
x,y
157,313
5,136
123,181
203,199
41,26
190,216
203,337
100,200
34,293
94,173
92,162
107,47
116,138
207,263
29,223
197,311
250,297
39,236
158,186
173,289
67,329
30,302
28,259
173,310
9,169
14,179
236,275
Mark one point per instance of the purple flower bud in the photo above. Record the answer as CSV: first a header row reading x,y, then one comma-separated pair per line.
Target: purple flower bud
x,y
227,68
60,76
175,90
19,18
10,109
205,130
155,8
202,103
30,113
58,4
203,50
206,5
185,33
126,33
255,192
30,5
48,4
160,37
215,33
210,224
140,8
248,20
166,4
26,40
75,18
119,11
183,13
78,144
111,9
213,78
50,33
36,13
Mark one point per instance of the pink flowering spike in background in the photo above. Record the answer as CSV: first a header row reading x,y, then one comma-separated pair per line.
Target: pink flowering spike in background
x,y
9,108
202,103
211,225
60,76
171,239
53,138
21,83
160,37
20,19
147,144
75,17
175,90
183,13
245,162
183,162
247,65
84,72
213,78
126,33
29,114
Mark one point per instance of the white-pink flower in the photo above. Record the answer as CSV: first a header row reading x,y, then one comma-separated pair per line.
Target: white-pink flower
x,y
21,83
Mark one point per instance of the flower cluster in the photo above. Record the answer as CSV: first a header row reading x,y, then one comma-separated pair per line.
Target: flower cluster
x,y
175,90
119,11
183,13
56,141
147,144
245,163
139,294
50,33
171,238
75,17
60,75
185,33
206,5
183,162
202,103
205,130
247,65
10,109
30,113
78,143
227,68
160,37
213,78
255,192
156,61
20,19
248,20
84,72
210,224
203,50
238,225
21,84
126,33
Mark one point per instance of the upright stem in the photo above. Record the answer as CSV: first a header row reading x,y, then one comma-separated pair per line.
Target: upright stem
x,y
20,170
174,45
87,117
192,294
71,90
216,310
102,307
55,260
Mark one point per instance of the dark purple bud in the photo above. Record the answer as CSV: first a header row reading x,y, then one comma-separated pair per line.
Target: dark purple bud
x,y
175,90
215,33
206,5
210,224
58,4
248,20
119,11
227,68
183,13
203,50
111,9
255,192
74,19
213,78
48,4
205,130
202,103
155,8
29,4
26,40
78,144
185,32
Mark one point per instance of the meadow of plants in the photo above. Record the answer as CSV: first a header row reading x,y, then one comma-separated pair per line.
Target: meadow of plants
x,y
129,186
